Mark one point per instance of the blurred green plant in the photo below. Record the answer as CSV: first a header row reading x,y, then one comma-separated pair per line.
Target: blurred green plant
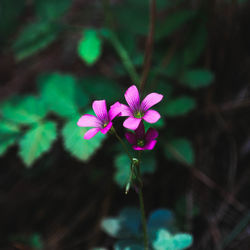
x,y
161,224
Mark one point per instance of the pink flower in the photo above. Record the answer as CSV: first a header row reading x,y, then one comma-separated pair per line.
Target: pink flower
x,y
102,121
140,140
138,111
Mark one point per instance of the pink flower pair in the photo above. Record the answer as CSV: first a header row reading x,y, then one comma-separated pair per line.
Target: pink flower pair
x,y
135,111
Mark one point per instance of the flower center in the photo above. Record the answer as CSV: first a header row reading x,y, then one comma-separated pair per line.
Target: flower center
x,y
138,114
140,143
105,124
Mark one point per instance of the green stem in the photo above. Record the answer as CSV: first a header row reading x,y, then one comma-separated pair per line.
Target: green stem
x,y
122,52
142,209
143,219
123,144
140,194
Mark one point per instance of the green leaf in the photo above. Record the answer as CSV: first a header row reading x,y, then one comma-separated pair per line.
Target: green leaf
x,y
51,9
99,87
8,135
61,94
161,219
33,38
89,47
197,78
179,106
165,241
125,225
24,110
181,150
182,241
172,23
122,165
75,144
36,142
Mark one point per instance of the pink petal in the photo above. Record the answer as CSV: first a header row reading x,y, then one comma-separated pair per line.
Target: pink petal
x,y
135,147
100,109
132,97
131,138
126,111
114,110
151,134
150,145
151,116
89,121
90,133
150,100
107,128
132,123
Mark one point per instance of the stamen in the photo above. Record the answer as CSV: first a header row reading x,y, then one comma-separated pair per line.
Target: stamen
x,y
140,143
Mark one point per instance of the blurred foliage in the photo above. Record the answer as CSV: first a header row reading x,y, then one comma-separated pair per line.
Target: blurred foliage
x,y
111,56
33,241
89,47
163,233
26,119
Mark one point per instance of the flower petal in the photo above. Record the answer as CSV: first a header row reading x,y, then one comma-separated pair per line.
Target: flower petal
x,y
131,138
135,147
151,116
90,133
107,128
150,145
133,98
151,134
132,123
126,111
100,109
89,121
140,131
114,110
150,100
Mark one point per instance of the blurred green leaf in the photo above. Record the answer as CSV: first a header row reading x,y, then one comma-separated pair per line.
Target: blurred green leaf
x,y
10,11
180,149
159,219
8,134
33,38
24,110
51,9
179,106
75,144
61,94
122,164
89,47
197,78
182,241
36,141
36,242
165,241
99,87
125,225
172,23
